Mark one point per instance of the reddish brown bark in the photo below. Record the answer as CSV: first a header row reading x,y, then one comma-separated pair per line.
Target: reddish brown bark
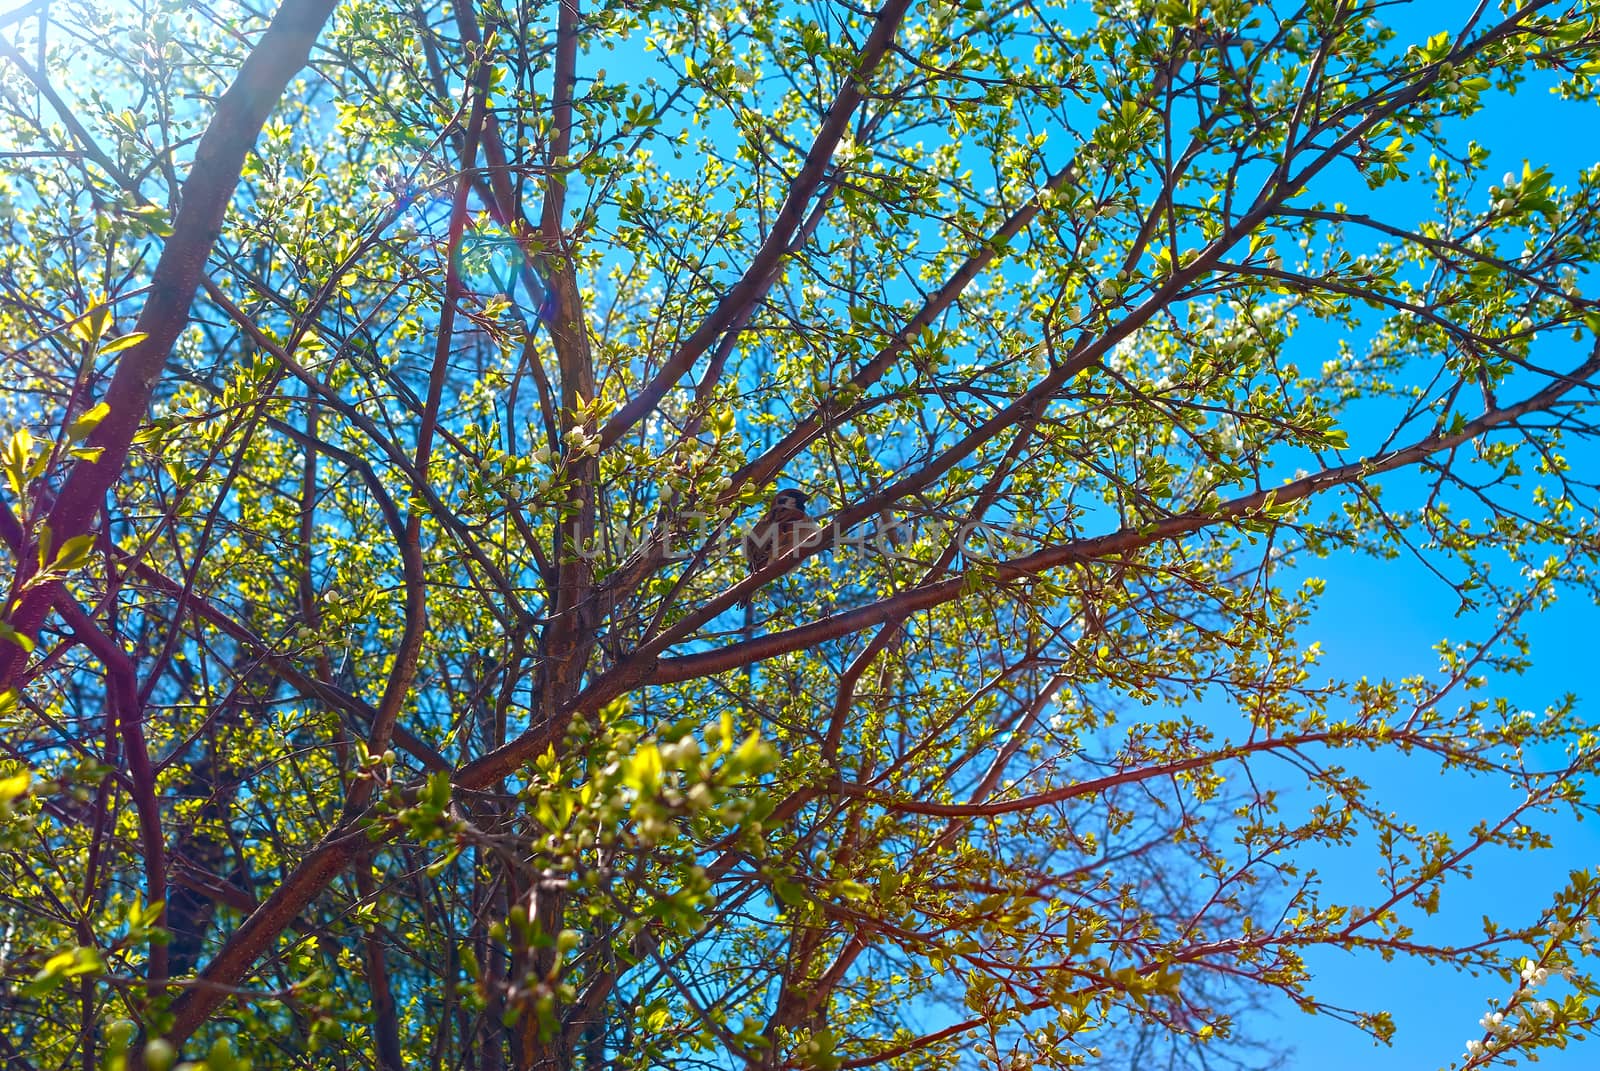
x,y
213,177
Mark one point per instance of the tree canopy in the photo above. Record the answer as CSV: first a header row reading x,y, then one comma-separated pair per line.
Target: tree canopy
x,y
389,386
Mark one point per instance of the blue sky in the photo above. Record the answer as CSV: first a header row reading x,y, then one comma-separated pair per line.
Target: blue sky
x,y
1381,619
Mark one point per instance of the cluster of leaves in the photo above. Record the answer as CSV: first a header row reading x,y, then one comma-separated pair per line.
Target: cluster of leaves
x,y
389,385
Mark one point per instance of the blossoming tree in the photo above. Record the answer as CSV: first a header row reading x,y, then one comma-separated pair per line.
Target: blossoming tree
x,y
387,385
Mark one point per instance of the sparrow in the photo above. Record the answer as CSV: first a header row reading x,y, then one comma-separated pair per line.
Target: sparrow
x,y
781,530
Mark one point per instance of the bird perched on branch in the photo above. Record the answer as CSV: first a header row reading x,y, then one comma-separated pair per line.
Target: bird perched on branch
x,y
781,530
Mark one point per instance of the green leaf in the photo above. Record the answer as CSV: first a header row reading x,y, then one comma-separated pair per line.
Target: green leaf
x,y
63,967
80,429
14,786
11,635
73,553
120,344
92,324
17,459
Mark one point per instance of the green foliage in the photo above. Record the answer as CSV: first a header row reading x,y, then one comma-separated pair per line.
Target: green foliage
x,y
373,683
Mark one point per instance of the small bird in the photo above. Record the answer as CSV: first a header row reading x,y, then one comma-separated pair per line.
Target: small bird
x,y
781,530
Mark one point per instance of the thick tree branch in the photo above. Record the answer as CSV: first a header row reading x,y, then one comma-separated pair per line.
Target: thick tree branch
x,y
218,161
733,656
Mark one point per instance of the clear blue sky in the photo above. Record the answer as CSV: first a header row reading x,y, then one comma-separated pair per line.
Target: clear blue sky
x,y
1381,619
